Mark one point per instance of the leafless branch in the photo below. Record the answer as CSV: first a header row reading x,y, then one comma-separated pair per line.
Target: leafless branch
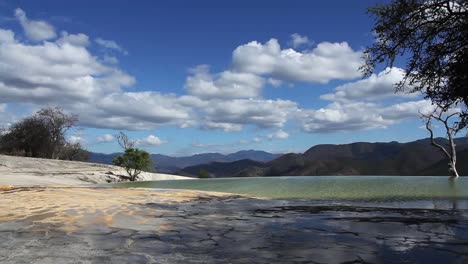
x,y
124,141
440,114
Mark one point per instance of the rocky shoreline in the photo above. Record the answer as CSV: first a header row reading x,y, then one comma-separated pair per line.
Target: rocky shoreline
x,y
125,225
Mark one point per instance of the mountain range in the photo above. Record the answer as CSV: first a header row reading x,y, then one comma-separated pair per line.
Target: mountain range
x,y
361,158
168,164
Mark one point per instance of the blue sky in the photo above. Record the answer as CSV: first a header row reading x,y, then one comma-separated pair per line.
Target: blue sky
x,y
185,77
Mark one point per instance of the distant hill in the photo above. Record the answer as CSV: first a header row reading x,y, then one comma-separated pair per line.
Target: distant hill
x,y
102,158
168,164
440,168
361,158
221,169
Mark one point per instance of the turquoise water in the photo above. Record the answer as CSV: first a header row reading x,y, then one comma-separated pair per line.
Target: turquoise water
x,y
325,187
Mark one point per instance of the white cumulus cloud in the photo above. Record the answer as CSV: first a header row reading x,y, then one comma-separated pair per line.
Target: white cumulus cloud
x,y
226,84
66,73
298,40
55,72
150,140
110,44
280,134
233,114
274,82
76,139
353,116
35,30
376,86
328,61
105,138
6,36
80,40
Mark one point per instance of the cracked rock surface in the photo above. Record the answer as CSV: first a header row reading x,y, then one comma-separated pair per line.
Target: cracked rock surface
x,y
112,225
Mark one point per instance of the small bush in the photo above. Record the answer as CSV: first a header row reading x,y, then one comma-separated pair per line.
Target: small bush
x,y
203,174
134,161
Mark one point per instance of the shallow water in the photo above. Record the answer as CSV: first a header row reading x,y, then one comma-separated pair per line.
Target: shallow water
x,y
344,219
335,220
387,188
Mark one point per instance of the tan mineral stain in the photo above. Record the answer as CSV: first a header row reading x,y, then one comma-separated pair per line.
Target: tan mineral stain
x,y
6,187
73,208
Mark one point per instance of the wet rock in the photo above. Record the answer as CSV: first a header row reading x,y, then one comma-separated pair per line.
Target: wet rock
x,y
143,227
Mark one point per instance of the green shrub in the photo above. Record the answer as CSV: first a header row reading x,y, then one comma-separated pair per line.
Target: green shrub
x,y
203,174
134,161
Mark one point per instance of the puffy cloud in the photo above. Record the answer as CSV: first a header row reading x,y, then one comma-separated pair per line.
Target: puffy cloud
x,y
407,109
35,30
298,40
6,36
352,116
153,107
360,105
327,61
6,118
203,145
64,72
280,134
110,59
343,117
55,72
274,82
226,127
110,44
76,139
137,111
80,40
376,86
105,138
150,140
226,84
231,115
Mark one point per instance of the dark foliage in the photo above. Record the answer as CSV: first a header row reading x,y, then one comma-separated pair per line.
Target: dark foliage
x,y
433,37
42,136
29,137
203,174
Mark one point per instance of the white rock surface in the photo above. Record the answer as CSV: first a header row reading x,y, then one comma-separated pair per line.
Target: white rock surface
x,y
22,171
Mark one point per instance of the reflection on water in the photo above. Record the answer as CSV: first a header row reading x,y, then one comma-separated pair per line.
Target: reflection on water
x,y
374,188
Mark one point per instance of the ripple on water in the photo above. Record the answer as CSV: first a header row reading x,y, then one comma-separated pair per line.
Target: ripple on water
x,y
370,188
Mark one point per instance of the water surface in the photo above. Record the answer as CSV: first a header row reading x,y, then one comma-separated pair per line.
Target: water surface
x,y
327,187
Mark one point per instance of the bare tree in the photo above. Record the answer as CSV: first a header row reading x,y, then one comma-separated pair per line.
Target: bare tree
x,y
443,115
124,141
58,123
73,151
42,135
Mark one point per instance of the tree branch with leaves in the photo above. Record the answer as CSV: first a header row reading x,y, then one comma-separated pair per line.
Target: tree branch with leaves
x,y
432,37
124,141
134,160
